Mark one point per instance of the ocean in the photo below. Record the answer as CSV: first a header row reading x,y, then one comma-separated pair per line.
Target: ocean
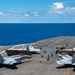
x,y
21,33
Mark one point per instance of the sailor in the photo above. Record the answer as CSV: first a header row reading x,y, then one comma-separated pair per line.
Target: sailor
x,y
48,58
51,55
46,45
40,59
42,56
44,51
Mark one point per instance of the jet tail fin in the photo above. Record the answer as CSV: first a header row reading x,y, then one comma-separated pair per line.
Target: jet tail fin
x,y
73,59
1,59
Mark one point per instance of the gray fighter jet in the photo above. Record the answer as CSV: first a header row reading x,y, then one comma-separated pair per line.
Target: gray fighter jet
x,y
10,60
66,59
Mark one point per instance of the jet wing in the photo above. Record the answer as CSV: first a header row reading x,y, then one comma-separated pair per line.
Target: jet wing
x,y
15,59
66,56
20,56
63,61
9,61
66,59
32,49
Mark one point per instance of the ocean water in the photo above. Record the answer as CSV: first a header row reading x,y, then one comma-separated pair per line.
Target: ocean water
x,y
11,34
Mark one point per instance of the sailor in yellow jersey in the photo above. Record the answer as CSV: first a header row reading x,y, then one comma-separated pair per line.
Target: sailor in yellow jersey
x,y
40,59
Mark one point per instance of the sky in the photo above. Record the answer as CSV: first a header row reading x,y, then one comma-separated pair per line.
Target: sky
x,y
37,11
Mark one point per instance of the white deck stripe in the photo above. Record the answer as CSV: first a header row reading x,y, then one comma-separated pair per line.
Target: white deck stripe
x,y
2,52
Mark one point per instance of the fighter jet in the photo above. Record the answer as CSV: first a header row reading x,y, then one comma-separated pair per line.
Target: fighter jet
x,y
64,56
66,59
11,60
32,49
29,49
67,51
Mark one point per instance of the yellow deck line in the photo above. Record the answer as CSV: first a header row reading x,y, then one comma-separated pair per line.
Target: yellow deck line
x,y
67,71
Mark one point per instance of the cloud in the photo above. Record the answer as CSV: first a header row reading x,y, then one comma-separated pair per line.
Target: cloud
x,y
70,9
59,8
26,15
18,17
58,5
1,13
31,14
8,14
35,13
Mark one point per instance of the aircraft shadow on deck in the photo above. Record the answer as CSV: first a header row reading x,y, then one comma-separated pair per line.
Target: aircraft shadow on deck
x,y
64,66
35,53
9,66
74,69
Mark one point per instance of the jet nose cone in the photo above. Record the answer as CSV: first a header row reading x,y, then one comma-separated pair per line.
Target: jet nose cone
x,y
28,56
